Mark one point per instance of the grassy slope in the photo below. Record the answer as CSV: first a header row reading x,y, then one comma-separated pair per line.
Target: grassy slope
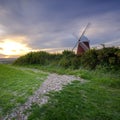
x,y
98,99
16,85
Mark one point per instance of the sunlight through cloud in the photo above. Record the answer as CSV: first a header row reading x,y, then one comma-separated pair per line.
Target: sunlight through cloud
x,y
9,47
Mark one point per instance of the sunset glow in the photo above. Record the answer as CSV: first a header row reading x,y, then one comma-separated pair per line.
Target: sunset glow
x,y
13,48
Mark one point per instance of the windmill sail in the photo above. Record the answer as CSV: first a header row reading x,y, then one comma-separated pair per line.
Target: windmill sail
x,y
75,45
84,31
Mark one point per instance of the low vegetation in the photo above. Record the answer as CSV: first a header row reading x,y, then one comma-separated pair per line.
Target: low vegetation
x,y
16,85
86,101
96,99
108,58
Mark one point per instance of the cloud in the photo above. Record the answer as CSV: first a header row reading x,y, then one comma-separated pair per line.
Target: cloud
x,y
1,48
8,56
104,27
50,25
2,56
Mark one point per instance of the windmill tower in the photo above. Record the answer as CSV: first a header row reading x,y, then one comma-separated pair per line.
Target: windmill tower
x,y
82,43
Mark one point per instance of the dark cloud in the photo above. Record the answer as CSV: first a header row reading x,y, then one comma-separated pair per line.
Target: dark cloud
x,y
50,24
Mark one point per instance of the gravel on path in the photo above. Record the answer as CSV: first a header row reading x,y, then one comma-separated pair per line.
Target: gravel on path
x,y
53,82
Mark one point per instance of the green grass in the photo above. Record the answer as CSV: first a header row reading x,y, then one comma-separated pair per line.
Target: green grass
x,y
16,85
78,101
97,99
100,76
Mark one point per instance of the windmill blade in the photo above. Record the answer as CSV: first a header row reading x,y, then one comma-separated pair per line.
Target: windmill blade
x,y
84,46
84,31
76,42
75,45
75,36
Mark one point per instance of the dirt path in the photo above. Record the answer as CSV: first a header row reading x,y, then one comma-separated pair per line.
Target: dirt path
x,y
53,82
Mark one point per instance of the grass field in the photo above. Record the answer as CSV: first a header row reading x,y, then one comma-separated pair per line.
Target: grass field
x,y
78,101
98,99
16,85
100,76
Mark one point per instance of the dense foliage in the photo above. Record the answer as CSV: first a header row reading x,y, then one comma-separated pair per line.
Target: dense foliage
x,y
108,58
42,58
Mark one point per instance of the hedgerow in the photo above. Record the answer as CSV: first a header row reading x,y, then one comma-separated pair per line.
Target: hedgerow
x,y
108,58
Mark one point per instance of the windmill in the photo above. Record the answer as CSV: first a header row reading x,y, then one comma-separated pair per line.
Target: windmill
x,y
82,45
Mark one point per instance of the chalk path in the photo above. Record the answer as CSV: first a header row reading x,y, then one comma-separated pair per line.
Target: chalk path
x,y
54,82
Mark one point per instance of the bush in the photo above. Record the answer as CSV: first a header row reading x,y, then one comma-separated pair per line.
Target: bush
x,y
89,59
107,58
68,54
34,58
65,62
76,62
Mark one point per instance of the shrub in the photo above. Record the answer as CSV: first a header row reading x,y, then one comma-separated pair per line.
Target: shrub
x,y
68,54
33,58
65,62
89,59
107,58
76,62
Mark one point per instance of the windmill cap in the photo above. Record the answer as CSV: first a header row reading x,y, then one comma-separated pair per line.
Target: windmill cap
x,y
84,39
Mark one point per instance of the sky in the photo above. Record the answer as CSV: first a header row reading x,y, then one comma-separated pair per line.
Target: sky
x,y
55,25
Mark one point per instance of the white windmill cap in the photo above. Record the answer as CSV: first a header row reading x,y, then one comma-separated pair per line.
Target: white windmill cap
x,y
84,38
